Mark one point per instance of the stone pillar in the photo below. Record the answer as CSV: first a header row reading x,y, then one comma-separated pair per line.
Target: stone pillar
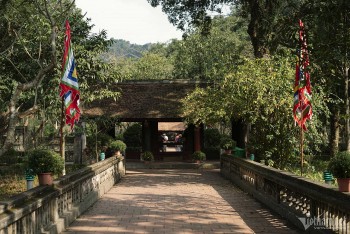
x,y
146,135
197,139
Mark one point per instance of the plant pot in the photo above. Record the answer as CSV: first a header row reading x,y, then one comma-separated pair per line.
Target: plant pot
x,y
328,177
344,184
228,151
45,178
102,156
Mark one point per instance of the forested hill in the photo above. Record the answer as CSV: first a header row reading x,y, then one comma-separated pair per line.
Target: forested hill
x,y
122,48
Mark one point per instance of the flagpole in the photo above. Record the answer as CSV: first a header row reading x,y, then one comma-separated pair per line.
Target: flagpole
x,y
62,141
302,91
301,149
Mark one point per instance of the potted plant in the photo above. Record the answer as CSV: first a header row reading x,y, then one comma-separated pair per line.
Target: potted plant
x,y
117,147
227,144
45,163
339,166
198,156
147,156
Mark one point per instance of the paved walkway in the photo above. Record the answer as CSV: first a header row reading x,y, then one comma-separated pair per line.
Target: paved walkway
x,y
177,201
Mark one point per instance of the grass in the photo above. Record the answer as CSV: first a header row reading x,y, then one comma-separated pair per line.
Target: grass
x,y
11,185
312,170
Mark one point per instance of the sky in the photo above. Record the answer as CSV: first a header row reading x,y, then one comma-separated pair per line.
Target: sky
x,y
135,21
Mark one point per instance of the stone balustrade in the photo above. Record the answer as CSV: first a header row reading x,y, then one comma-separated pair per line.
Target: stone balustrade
x,y
308,205
50,209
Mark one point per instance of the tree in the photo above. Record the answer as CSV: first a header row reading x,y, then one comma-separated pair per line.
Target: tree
x,y
329,29
210,57
38,50
258,92
263,17
30,73
152,66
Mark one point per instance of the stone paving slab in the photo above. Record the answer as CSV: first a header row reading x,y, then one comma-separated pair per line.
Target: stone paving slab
x,y
177,201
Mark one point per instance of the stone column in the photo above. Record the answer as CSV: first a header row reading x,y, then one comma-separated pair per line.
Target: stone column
x,y
197,139
146,135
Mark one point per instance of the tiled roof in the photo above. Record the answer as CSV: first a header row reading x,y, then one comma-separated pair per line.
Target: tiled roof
x,y
145,100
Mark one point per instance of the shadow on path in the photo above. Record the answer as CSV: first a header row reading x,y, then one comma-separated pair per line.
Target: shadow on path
x,y
177,201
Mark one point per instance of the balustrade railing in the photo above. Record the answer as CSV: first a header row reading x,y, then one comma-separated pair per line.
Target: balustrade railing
x,y
308,205
49,209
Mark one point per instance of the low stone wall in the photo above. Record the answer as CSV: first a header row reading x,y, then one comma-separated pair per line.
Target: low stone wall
x,y
50,209
310,206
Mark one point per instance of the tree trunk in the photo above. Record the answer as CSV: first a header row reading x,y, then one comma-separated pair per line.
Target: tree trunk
x,y
334,135
13,119
347,109
257,38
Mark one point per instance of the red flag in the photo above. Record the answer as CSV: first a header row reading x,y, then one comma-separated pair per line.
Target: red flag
x,y
69,82
302,110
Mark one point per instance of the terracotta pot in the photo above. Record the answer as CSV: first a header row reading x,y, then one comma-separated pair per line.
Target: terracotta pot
x,y
228,151
344,184
45,178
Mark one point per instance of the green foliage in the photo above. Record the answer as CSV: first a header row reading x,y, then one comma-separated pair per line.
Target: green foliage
x,y
199,155
212,137
10,157
204,106
133,135
32,36
101,141
312,169
259,92
227,143
329,30
152,66
212,56
339,165
50,130
44,160
147,156
140,62
188,14
117,145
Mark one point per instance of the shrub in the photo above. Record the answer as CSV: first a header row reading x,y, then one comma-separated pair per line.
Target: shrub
x,y
104,139
117,145
339,165
10,157
44,160
199,155
147,156
101,141
212,137
133,135
227,143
